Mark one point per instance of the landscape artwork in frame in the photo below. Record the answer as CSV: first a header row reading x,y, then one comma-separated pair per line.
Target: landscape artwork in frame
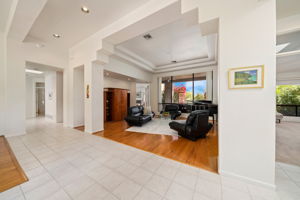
x,y
246,77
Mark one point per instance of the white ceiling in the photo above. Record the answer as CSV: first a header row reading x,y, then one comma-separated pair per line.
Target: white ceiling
x,y
64,17
4,13
292,39
177,41
41,67
289,64
286,8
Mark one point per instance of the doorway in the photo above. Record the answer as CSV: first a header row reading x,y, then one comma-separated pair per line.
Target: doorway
x,y
40,99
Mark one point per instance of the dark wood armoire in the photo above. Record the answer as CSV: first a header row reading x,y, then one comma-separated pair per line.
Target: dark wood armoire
x,y
116,102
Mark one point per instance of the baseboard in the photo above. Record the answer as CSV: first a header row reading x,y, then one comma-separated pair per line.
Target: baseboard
x,y
77,125
92,132
13,134
248,180
49,116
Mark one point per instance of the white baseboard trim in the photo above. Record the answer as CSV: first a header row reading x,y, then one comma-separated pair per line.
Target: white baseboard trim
x,y
94,131
77,125
13,134
248,180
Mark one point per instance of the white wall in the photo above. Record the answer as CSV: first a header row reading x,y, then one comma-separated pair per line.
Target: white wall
x,y
15,100
117,83
30,100
246,116
54,96
2,81
31,95
59,97
133,94
50,95
79,97
126,69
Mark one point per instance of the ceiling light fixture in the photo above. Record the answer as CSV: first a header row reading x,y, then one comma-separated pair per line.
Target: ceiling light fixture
x,y
56,35
33,71
148,36
85,9
38,45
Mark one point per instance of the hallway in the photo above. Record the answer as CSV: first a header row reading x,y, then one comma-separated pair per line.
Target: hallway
x,y
63,163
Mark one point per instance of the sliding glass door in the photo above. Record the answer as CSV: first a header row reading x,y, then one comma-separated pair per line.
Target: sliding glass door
x,y
184,89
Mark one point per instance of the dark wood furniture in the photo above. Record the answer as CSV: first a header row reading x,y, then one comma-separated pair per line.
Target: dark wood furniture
x,y
116,102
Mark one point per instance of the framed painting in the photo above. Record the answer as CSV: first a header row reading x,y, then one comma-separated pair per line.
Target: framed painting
x,y
246,77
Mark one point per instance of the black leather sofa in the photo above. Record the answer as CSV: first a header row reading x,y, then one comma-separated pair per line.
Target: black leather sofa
x,y
195,127
173,110
136,116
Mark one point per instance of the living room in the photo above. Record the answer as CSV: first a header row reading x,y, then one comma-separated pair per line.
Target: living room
x,y
177,59
171,94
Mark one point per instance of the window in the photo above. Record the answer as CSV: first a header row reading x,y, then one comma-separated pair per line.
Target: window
x,y
184,89
166,89
200,86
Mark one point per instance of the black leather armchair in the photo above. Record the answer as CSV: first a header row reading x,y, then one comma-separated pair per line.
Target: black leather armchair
x,y
173,109
212,108
136,116
195,127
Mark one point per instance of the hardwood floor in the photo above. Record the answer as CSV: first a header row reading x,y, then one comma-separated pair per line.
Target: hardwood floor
x,y
11,174
203,153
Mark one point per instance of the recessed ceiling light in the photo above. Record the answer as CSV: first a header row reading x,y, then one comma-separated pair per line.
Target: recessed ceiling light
x,y
38,45
85,9
148,36
33,71
56,35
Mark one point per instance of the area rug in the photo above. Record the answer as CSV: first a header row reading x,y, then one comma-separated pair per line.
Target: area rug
x,y
155,126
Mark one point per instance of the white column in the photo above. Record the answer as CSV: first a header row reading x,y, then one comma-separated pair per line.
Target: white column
x,y
215,86
14,90
133,94
2,82
209,86
93,78
159,93
247,36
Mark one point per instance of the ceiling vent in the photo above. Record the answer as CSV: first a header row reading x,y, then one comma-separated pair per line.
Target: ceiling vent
x,y
147,36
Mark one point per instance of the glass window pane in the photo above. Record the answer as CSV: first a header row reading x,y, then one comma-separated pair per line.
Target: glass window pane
x,y
200,87
183,89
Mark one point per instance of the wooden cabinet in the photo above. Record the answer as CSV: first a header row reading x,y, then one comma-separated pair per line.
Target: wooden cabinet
x,y
115,104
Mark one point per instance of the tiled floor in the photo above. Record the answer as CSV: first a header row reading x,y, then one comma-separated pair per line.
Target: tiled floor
x,y
64,163
288,142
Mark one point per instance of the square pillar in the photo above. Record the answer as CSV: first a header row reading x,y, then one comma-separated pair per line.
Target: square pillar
x,y
209,86
247,36
93,104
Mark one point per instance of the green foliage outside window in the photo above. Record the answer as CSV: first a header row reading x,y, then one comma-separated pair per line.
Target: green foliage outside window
x,y
288,94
